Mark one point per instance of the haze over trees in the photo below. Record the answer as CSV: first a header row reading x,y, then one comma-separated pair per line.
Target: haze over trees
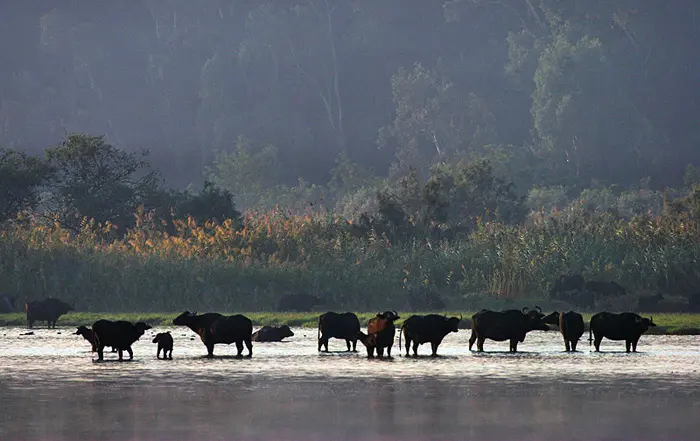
x,y
420,122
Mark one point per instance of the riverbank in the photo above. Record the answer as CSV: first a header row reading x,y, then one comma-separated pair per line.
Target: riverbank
x,y
671,324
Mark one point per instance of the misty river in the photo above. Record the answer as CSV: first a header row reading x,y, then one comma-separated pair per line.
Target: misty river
x,y
52,389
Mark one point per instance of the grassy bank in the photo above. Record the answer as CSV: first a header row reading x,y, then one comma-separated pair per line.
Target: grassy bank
x,y
671,324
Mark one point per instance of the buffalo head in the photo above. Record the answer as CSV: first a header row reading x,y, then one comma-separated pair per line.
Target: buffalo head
x,y
184,319
389,315
552,319
535,319
644,323
141,327
453,323
285,331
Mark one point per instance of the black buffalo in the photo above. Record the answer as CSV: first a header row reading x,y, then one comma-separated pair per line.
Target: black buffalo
x,y
165,344
215,328
605,289
649,303
298,302
510,325
565,283
380,333
272,333
7,304
626,326
87,334
120,335
48,310
344,326
570,325
430,328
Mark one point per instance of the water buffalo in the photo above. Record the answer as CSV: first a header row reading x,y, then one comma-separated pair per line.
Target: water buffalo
x,y
649,303
165,343
48,310
215,328
7,304
334,325
298,302
431,329
510,325
570,325
380,333
89,336
605,289
565,283
626,326
272,333
120,335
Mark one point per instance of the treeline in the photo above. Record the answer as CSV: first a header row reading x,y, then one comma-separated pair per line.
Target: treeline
x,y
94,224
272,97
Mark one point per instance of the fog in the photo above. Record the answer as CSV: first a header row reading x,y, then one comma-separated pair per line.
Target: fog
x,y
597,90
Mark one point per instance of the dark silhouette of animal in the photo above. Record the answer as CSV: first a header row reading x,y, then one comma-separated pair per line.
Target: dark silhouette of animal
x,y
48,310
510,325
432,328
344,326
7,304
570,325
605,289
565,283
380,333
649,303
165,343
89,336
298,302
626,326
214,328
425,301
272,333
120,335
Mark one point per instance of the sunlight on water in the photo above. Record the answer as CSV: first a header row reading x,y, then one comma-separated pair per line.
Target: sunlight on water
x,y
52,388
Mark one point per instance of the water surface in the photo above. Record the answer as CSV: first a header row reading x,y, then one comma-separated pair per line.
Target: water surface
x,y
51,388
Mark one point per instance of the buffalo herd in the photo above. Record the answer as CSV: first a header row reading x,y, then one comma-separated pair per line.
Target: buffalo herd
x,y
213,328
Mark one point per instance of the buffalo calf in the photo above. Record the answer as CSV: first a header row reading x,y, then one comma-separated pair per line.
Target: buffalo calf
x,y
165,344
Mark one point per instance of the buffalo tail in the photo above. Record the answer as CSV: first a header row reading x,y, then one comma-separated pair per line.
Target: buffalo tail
x,y
590,335
95,341
403,327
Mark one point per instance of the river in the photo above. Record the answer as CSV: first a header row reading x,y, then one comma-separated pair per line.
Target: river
x,y
51,388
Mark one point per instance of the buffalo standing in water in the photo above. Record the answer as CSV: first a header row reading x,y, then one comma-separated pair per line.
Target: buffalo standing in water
x,y
344,326
431,329
510,325
215,328
271,334
165,344
380,333
570,325
120,335
626,326
48,310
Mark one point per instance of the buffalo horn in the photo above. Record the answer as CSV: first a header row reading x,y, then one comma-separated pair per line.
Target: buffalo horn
x,y
538,309
460,317
525,309
396,314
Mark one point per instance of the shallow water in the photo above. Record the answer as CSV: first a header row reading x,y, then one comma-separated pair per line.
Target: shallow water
x,y
51,388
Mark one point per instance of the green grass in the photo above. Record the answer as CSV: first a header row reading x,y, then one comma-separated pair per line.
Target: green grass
x,y
674,324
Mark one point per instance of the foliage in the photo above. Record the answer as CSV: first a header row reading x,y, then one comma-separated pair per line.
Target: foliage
x,y
21,177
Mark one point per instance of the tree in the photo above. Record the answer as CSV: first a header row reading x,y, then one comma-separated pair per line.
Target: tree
x,y
21,177
96,180
210,204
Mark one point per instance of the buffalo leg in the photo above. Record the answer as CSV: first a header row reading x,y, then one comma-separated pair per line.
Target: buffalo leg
x,y
573,345
249,345
171,354
480,344
472,339
596,343
210,350
388,351
370,351
323,341
434,347
380,352
514,345
121,353
567,345
158,353
347,343
239,348
354,345
628,344
634,345
100,352
131,353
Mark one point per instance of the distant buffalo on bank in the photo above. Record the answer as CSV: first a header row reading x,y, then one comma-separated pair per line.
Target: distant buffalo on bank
x,y
626,326
300,302
119,335
48,310
432,328
272,333
344,326
570,325
573,289
214,328
512,325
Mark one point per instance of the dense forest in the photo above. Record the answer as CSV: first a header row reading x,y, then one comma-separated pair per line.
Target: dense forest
x,y
223,152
